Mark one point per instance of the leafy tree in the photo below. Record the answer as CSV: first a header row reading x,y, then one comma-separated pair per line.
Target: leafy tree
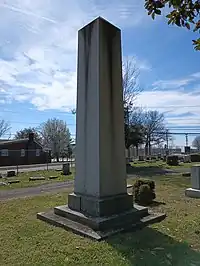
x,y
196,142
56,136
183,13
24,133
4,127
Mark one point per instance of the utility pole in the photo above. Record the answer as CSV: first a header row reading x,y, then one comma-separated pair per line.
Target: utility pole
x,y
186,139
167,142
167,138
128,132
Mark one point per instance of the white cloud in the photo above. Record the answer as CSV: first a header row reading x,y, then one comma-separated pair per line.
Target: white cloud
x,y
38,48
38,43
170,84
175,103
176,83
196,75
143,65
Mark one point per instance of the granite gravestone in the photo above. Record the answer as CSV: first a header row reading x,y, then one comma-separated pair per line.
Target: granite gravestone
x,y
100,205
194,191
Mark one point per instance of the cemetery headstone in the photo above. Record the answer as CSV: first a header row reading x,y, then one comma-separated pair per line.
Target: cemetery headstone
x,y
35,178
141,158
194,191
66,169
3,184
13,181
186,158
53,177
11,173
100,205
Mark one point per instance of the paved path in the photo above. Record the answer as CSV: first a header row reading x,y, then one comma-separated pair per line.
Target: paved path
x,y
35,191
56,187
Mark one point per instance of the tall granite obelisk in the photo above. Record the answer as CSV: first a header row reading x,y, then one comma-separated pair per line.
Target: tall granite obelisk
x,y
100,204
100,147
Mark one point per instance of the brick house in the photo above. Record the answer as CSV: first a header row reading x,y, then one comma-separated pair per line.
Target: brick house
x,y
23,152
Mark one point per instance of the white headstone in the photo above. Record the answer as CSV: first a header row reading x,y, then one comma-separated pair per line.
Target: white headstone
x,y
194,191
195,176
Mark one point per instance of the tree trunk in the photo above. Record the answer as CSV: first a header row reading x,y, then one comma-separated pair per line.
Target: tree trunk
x,y
149,149
137,150
146,149
129,153
57,158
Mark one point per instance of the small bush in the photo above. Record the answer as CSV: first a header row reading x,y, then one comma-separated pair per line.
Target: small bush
x,y
143,191
195,157
145,195
172,160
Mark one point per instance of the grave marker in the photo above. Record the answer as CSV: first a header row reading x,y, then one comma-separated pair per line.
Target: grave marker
x,y
100,205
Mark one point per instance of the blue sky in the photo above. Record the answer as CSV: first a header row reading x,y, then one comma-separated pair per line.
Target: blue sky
x,y
38,46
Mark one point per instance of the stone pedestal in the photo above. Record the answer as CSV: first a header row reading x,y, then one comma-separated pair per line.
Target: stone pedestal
x,y
186,158
194,192
100,205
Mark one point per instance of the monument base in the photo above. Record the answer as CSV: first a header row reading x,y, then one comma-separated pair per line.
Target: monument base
x,y
99,228
192,193
99,207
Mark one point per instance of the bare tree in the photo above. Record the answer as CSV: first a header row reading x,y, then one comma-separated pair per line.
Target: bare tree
x,y
4,127
131,89
56,136
196,142
130,73
137,115
130,85
155,129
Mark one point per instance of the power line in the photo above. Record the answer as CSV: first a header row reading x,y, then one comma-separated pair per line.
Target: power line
x,y
13,134
34,123
71,113
169,106
179,133
183,118
74,124
41,112
187,129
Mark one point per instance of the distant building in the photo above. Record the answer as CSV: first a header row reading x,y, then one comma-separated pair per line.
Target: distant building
x,y
23,152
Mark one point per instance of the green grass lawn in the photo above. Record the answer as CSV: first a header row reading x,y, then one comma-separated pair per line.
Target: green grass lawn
x,y
24,240
139,168
24,179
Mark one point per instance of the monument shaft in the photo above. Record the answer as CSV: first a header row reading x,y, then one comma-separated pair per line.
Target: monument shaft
x,y
100,149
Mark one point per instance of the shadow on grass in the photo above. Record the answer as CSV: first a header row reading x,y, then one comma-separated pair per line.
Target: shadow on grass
x,y
148,170
150,247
